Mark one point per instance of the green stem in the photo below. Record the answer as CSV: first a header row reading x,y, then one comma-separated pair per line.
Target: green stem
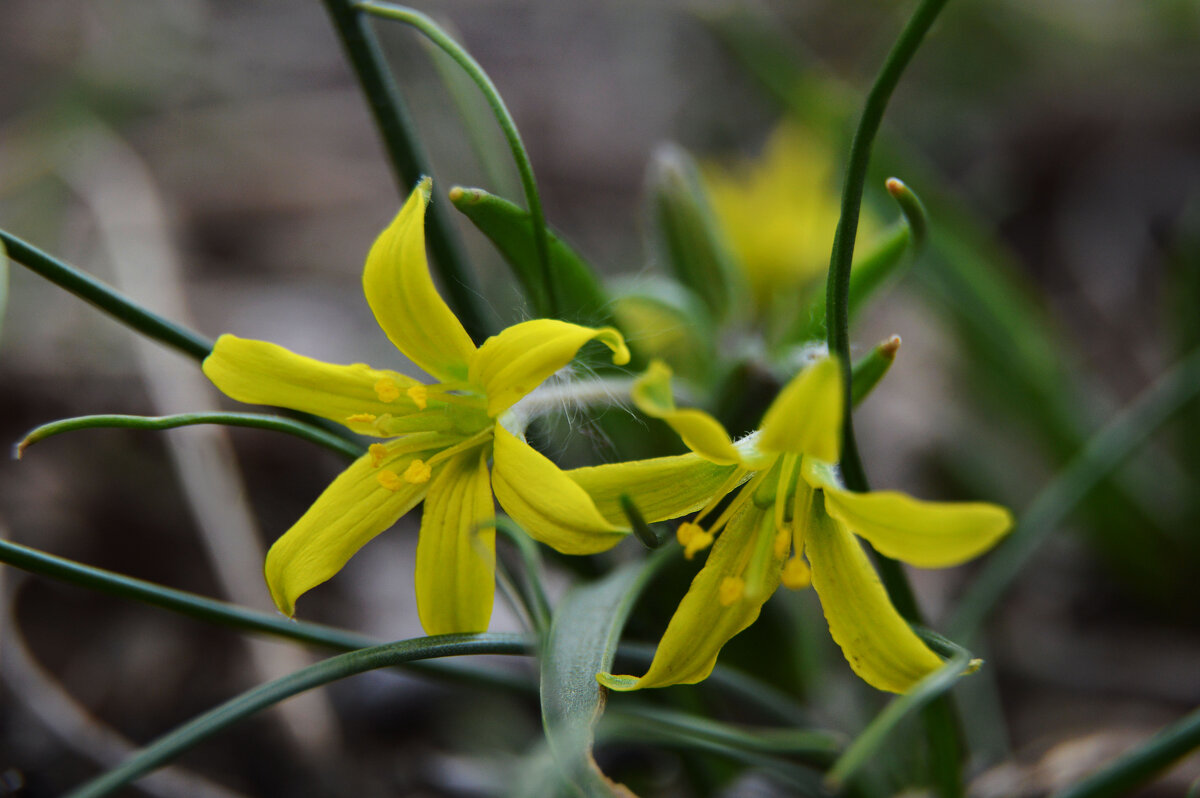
x,y
408,158
1138,767
258,420
220,612
1102,455
940,728
469,65
108,299
174,743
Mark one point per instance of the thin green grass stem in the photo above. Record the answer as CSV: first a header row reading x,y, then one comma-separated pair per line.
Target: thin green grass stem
x,y
1100,457
108,299
175,743
435,34
257,420
1141,765
940,727
408,159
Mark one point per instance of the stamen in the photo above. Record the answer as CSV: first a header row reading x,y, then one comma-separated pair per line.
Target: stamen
x,y
796,574
732,588
419,395
390,480
783,541
697,542
786,486
377,451
386,390
361,418
418,472
686,531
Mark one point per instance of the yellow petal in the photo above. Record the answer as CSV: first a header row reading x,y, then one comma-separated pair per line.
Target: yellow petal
x,y
925,534
262,373
662,488
520,358
401,293
806,417
542,499
700,432
456,553
878,644
356,507
711,613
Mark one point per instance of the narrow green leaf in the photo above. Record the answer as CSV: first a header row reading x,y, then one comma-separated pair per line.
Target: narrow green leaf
x,y
1099,458
175,743
108,299
581,297
530,590
3,286
258,420
582,642
687,234
1141,765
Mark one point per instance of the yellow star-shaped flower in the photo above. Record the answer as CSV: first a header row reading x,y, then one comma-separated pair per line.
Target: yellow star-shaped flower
x,y
789,521
434,441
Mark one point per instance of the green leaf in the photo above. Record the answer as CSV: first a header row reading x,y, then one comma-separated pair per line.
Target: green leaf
x,y
687,234
581,297
3,286
175,743
871,368
582,642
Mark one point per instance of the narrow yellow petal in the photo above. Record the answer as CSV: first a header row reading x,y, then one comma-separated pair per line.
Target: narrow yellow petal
x,y
925,534
456,553
662,487
699,431
520,358
356,507
262,373
806,416
542,499
878,644
717,606
404,300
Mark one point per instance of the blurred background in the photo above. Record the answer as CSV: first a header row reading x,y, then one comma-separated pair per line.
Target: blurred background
x,y
216,161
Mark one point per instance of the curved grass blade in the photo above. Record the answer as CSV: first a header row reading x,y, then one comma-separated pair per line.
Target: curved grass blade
x,y
431,30
1138,767
172,744
108,299
257,420
582,642
581,297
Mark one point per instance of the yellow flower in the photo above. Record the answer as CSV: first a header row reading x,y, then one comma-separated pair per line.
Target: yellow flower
x,y
789,522
780,213
435,441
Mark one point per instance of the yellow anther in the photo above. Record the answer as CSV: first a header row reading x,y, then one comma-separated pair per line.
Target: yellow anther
x,y
386,390
419,395
390,480
783,541
796,574
361,418
732,588
377,451
698,542
686,531
418,472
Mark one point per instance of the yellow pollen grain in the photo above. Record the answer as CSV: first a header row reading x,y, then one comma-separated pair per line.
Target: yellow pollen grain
x,y
377,451
783,540
386,390
390,480
419,395
686,531
698,542
418,472
796,574
732,588
361,418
